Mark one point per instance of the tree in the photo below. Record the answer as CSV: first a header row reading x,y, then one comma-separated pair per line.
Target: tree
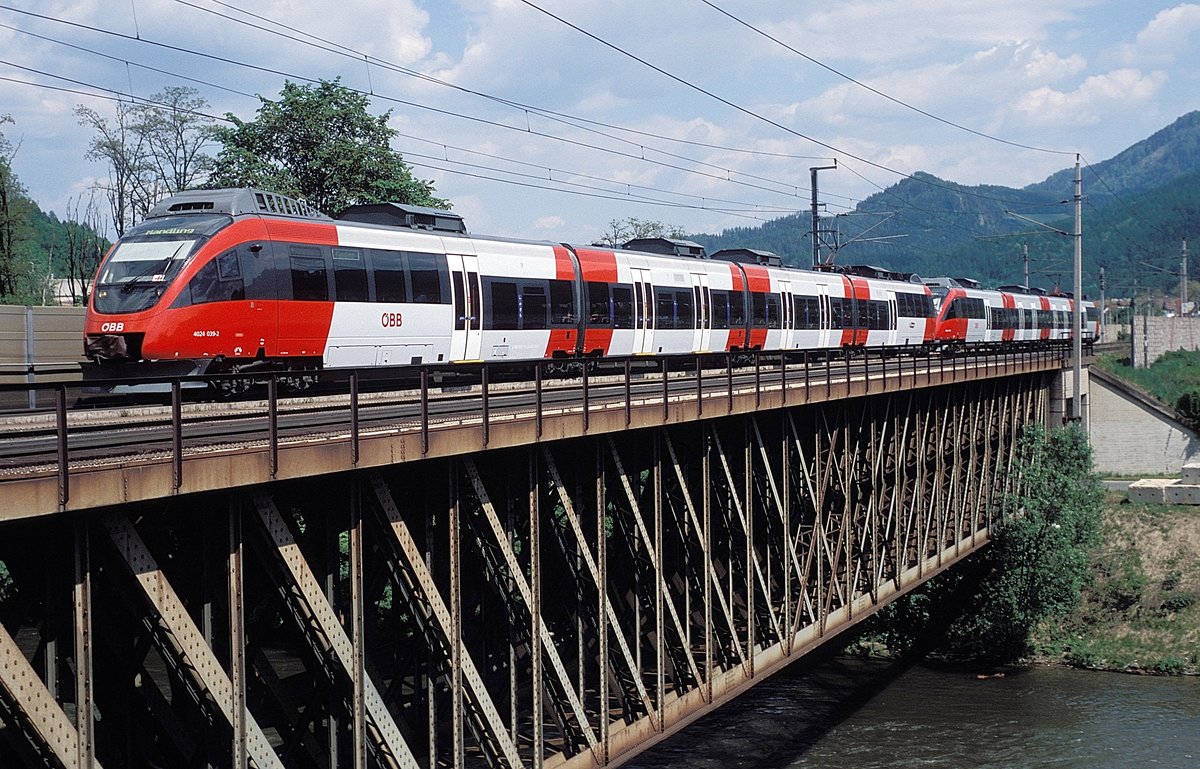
x,y
15,208
1038,560
319,143
153,149
177,131
623,230
1032,571
130,189
84,247
1188,408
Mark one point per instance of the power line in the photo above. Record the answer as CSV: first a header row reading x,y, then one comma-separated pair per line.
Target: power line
x,y
559,117
750,206
728,174
573,120
550,170
598,193
733,105
876,91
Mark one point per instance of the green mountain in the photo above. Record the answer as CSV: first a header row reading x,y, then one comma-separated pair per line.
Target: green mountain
x,y
1138,208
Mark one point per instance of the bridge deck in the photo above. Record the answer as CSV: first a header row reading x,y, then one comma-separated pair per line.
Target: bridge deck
x,y
182,464
533,583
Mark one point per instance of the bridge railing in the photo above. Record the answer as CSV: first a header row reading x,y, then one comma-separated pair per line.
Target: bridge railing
x,y
421,397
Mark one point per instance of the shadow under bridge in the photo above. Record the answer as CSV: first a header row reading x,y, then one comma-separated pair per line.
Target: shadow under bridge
x,y
565,603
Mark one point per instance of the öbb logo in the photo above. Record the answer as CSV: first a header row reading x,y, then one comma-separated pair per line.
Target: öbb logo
x,y
105,327
391,320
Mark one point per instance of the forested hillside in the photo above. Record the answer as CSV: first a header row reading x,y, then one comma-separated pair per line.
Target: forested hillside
x,y
1138,208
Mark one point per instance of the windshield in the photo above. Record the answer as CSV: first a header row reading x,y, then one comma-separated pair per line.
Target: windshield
x,y
939,294
146,260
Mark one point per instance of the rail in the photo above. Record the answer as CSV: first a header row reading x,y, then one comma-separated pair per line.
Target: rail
x,y
612,383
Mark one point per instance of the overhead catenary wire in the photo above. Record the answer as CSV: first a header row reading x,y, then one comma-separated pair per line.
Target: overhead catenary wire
x,y
876,91
120,96
348,51
537,111
744,110
743,205
727,174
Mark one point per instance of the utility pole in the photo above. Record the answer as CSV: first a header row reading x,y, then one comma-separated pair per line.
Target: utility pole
x,y
1183,287
1077,368
816,217
1025,250
1103,315
1133,336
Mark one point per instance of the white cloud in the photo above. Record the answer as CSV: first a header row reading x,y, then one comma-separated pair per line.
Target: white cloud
x,y
1097,98
1169,35
1026,70
889,30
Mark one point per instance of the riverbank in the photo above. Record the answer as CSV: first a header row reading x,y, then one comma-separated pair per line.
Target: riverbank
x,y
1141,612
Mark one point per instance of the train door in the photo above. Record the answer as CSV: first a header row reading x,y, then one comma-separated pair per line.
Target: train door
x,y
894,335
465,339
643,311
827,336
702,338
787,311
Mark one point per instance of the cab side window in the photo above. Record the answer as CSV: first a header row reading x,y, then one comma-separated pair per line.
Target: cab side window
x,y
218,281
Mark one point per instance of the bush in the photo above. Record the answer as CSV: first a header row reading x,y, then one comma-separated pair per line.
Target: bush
x,y
1188,409
1170,666
1178,602
1033,570
1122,588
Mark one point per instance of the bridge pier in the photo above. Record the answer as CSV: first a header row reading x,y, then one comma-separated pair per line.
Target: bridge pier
x,y
561,604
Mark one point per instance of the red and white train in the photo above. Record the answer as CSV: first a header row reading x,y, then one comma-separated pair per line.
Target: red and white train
x,y
970,315
242,279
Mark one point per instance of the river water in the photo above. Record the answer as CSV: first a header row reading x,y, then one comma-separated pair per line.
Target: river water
x,y
854,714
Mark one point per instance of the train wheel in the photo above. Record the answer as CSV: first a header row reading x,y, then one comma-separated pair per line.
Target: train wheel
x,y
228,389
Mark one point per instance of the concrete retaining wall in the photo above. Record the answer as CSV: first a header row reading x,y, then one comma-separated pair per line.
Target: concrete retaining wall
x,y
43,335
1154,336
1133,434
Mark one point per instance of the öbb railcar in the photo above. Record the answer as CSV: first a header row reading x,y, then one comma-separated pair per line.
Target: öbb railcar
x,y
235,280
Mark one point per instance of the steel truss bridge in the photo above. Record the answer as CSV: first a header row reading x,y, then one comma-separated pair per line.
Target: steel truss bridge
x,y
534,582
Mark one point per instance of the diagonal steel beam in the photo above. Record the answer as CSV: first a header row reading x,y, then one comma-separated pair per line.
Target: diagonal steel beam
x,y
594,571
708,566
185,638
518,577
45,724
755,560
426,588
648,541
382,728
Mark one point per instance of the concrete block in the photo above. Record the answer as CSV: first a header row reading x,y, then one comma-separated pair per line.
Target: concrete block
x,y
1149,491
1191,472
1183,494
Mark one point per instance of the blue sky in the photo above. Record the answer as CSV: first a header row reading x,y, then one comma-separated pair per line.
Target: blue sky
x,y
1040,79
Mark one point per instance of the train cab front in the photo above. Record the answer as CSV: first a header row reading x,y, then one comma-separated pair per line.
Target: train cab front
x,y
133,289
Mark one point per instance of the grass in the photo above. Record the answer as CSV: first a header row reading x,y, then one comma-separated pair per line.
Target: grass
x,y
1167,379
1141,612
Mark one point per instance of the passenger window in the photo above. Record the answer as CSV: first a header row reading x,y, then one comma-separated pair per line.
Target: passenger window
x,y
562,303
533,307
720,309
622,297
426,272
502,306
599,309
309,279
349,275
390,283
